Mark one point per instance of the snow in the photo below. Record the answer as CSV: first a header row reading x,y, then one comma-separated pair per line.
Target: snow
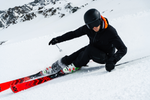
x,y
26,51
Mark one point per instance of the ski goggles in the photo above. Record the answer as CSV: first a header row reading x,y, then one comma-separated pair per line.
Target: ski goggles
x,y
93,24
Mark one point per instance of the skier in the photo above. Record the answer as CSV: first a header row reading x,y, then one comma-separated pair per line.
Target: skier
x,y
105,47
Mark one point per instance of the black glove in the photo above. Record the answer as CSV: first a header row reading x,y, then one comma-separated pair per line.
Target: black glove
x,y
53,41
110,66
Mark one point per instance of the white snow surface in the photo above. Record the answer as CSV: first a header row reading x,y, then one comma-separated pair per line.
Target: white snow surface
x,y
26,51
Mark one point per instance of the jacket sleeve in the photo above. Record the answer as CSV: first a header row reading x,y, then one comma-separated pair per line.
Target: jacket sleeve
x,y
121,49
119,45
72,34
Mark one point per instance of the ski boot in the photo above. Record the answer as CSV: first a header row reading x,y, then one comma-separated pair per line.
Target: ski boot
x,y
55,68
47,71
59,66
70,68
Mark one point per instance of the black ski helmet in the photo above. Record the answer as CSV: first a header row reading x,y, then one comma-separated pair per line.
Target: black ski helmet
x,y
92,18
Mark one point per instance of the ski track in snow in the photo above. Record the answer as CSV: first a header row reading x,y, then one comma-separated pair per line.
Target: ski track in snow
x,y
96,84
25,53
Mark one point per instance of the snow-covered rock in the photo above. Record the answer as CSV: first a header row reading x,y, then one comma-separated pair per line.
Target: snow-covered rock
x,y
31,10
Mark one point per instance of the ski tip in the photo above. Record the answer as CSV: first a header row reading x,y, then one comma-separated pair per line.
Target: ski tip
x,y
13,88
0,89
4,86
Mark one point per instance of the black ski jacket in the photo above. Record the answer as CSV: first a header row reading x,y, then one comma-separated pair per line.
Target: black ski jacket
x,y
104,40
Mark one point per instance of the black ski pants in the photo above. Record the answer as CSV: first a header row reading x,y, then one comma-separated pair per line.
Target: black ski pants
x,y
84,55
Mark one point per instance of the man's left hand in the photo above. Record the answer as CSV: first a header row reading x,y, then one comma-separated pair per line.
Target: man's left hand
x,y
110,66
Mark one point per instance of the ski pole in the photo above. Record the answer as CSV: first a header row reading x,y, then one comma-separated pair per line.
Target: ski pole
x,y
58,48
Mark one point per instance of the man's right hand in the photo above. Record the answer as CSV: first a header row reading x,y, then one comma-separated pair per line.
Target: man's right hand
x,y
53,41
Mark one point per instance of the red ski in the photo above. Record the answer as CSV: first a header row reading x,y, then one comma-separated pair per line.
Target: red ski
x,y
6,85
25,85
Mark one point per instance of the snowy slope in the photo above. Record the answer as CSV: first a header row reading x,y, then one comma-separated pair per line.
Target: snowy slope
x,y
26,51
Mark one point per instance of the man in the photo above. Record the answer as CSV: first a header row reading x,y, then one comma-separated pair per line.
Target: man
x,y
105,46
